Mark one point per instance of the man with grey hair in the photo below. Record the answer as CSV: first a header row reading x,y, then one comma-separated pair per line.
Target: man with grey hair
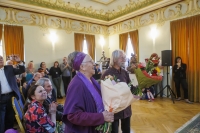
x,y
51,97
117,61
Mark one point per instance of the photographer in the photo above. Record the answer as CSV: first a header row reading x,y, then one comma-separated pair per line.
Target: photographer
x,y
179,70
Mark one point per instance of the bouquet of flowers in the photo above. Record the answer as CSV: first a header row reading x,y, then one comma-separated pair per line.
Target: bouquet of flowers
x,y
116,97
59,127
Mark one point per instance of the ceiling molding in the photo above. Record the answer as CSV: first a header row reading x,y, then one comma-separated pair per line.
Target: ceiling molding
x,y
159,17
38,9
103,1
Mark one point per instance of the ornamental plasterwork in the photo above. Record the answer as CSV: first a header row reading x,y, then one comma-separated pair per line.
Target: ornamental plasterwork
x,y
89,11
17,17
104,2
179,10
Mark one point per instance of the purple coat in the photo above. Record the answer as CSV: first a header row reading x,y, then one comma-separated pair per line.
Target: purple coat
x,y
80,112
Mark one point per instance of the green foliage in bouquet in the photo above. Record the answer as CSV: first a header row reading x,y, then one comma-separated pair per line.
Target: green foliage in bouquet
x,y
149,66
136,91
59,127
105,128
144,81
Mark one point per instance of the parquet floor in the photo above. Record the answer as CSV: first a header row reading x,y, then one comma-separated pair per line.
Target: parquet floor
x,y
160,116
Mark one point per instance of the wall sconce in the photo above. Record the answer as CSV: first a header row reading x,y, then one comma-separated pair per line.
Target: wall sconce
x,y
102,42
154,34
53,37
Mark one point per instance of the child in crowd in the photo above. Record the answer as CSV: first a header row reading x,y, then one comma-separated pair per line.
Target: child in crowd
x,y
148,93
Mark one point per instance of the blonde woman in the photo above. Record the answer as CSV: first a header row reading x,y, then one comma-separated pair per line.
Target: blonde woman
x,y
30,71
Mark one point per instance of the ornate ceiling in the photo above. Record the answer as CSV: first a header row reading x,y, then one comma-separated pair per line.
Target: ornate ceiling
x,y
105,2
105,12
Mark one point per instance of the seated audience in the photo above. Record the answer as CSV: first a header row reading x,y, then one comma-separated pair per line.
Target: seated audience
x,y
97,74
30,71
40,70
44,68
36,118
35,78
51,97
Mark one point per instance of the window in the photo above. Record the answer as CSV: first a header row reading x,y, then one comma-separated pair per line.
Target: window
x,y
85,49
129,51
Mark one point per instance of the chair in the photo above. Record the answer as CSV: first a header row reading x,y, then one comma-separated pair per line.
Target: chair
x,y
21,105
18,114
20,89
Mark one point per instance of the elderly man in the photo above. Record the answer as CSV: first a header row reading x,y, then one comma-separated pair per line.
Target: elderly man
x,y
66,73
8,89
51,97
35,78
116,63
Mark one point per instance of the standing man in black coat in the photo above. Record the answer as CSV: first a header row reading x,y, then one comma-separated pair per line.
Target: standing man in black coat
x,y
179,70
8,89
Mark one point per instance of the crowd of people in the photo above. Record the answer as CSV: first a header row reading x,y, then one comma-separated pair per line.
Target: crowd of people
x,y
83,110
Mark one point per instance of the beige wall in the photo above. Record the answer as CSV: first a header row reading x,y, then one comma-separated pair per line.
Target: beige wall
x,y
38,46
113,43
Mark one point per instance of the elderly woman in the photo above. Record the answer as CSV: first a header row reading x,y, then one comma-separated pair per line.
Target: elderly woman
x,y
83,109
117,62
51,97
36,118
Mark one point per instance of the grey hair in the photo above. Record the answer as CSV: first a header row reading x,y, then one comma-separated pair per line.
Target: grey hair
x,y
71,58
41,81
115,56
35,74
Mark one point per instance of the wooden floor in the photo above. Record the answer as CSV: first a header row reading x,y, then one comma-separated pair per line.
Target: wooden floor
x,y
160,116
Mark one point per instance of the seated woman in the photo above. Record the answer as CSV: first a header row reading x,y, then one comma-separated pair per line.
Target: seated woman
x,y
30,71
97,74
83,109
51,97
36,118
44,68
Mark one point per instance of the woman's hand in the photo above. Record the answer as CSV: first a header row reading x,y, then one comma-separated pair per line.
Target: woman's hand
x,y
108,116
53,107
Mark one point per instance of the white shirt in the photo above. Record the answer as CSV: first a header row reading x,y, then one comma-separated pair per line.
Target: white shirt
x,y
5,87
